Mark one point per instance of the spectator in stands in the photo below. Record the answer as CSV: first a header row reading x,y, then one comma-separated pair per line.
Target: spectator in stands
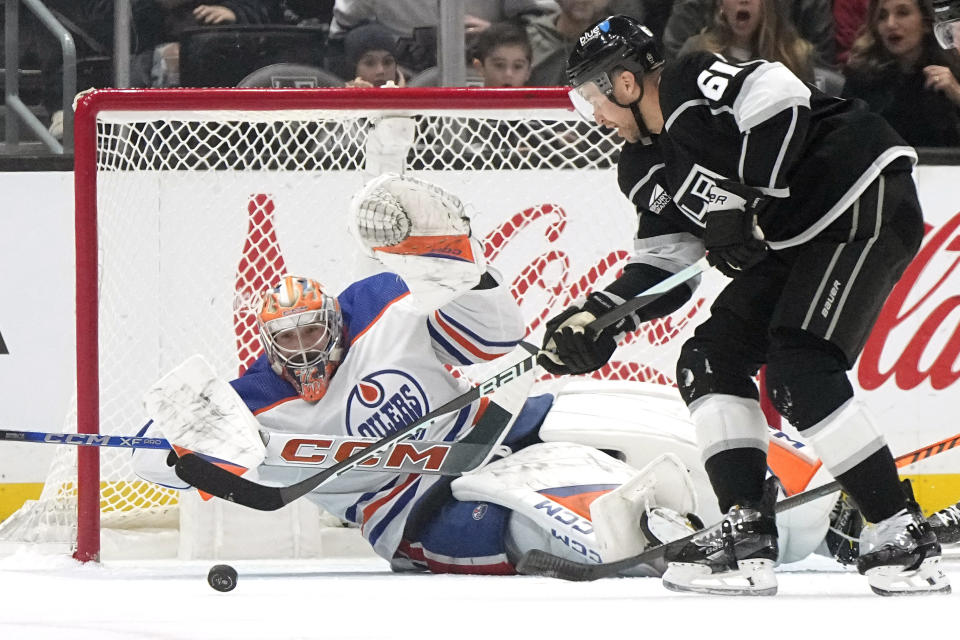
x,y
744,30
311,13
415,22
403,16
159,24
90,22
898,68
812,18
849,16
502,56
553,37
370,55
651,13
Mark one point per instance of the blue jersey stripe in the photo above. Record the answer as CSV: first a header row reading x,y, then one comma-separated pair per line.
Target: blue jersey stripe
x,y
260,387
458,425
449,348
398,506
351,512
462,328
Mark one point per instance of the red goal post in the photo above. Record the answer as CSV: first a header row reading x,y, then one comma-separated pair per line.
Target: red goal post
x,y
189,201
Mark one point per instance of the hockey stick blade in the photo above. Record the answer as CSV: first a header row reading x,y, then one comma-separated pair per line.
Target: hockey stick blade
x,y
542,563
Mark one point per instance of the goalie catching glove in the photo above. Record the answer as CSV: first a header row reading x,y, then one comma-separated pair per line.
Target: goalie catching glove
x,y
733,241
422,233
569,347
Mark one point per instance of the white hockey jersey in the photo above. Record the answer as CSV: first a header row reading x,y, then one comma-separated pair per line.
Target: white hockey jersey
x,y
392,374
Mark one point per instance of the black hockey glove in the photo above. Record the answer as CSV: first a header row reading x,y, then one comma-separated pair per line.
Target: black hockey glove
x,y
571,347
732,238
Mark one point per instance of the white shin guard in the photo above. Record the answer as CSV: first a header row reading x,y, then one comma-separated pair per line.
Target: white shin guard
x,y
845,438
725,422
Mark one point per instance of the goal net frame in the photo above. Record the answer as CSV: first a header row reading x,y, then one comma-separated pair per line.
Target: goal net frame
x,y
92,108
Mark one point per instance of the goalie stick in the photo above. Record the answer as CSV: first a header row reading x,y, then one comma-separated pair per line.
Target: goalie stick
x,y
212,479
322,451
542,563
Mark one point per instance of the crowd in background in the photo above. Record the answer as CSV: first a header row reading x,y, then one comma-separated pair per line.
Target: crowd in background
x,y
881,51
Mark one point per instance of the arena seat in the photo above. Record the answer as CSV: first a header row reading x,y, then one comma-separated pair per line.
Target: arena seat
x,y
290,75
222,56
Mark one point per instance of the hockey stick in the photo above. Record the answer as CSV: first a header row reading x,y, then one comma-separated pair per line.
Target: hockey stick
x,y
83,439
196,471
905,460
541,563
200,473
323,451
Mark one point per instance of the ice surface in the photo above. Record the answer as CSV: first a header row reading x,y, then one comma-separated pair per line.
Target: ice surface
x,y
45,597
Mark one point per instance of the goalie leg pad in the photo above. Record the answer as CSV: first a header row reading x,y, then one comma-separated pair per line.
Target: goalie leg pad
x,y
553,488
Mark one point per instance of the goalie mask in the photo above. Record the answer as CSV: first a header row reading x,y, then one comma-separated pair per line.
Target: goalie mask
x,y
301,329
617,43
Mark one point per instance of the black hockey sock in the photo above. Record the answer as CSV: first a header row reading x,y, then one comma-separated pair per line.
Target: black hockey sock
x,y
875,486
737,476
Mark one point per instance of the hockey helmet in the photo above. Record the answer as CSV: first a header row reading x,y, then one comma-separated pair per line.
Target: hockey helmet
x,y
616,42
302,330
946,23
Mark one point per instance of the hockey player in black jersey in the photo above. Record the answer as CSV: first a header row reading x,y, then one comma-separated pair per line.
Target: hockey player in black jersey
x,y
808,204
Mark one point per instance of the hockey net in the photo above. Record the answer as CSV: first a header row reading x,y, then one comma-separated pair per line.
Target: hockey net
x,y
189,202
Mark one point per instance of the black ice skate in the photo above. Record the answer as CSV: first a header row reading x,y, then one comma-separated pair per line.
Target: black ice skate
x,y
946,524
734,557
901,555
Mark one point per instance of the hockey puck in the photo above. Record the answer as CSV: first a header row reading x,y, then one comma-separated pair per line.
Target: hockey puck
x,y
222,577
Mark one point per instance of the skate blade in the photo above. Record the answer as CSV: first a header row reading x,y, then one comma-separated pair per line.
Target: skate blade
x,y
752,578
892,580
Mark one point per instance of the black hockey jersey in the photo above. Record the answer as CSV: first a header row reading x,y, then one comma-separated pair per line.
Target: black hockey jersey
x,y
757,123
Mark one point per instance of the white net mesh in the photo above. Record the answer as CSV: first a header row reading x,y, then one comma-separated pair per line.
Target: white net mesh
x,y
199,211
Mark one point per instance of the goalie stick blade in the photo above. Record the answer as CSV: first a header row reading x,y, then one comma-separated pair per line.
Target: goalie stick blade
x,y
542,563
196,471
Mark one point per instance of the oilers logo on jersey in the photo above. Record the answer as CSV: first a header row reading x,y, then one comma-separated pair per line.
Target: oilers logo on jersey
x,y
384,401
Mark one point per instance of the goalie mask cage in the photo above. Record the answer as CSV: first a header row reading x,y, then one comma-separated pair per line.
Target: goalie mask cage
x,y
189,202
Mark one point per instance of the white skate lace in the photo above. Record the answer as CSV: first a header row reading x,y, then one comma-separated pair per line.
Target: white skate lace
x,y
894,531
948,517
